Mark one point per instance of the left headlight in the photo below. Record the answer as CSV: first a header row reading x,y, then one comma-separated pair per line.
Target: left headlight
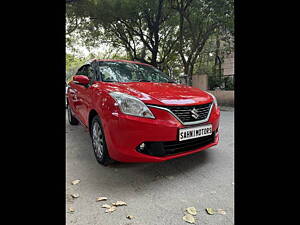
x,y
214,99
131,106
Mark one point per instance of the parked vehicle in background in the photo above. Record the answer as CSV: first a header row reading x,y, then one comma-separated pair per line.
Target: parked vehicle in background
x,y
135,113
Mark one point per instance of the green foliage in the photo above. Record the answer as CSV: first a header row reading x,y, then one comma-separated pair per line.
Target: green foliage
x,y
176,36
72,64
220,82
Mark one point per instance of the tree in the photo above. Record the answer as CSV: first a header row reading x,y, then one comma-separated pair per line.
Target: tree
x,y
198,21
169,34
138,26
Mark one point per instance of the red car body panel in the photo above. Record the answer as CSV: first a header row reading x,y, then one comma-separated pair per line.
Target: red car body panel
x,y
123,132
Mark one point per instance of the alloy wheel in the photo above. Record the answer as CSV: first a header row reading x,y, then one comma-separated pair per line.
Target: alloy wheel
x,y
98,142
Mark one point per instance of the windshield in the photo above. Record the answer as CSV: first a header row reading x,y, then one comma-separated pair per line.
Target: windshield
x,y
112,71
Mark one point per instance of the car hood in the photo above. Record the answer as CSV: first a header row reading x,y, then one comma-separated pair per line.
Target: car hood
x,y
161,93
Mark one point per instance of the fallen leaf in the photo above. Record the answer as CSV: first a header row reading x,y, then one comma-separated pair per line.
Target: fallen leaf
x,y
119,203
188,218
76,195
101,199
75,182
210,211
221,211
111,209
191,210
69,199
106,206
129,217
71,210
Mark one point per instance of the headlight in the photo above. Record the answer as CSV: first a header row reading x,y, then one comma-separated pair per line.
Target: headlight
x,y
131,106
215,100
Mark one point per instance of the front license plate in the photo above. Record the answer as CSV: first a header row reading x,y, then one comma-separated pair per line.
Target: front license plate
x,y
195,132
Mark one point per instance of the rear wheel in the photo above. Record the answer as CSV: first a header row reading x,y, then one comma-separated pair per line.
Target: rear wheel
x,y
71,118
99,143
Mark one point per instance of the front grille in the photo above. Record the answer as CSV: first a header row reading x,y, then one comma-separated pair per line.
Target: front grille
x,y
185,113
173,147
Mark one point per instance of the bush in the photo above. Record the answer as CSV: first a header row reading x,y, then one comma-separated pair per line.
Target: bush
x,y
220,82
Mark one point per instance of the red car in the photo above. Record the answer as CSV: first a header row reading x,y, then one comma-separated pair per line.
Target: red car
x,y
135,113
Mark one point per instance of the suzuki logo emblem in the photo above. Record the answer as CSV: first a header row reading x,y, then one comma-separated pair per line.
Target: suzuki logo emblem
x,y
194,113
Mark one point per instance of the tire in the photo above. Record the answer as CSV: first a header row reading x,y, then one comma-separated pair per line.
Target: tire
x,y
98,142
71,118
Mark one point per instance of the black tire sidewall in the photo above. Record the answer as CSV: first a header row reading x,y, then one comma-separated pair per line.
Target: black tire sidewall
x,y
105,160
72,120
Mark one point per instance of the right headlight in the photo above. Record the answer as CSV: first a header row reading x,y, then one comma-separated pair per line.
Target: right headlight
x,y
131,106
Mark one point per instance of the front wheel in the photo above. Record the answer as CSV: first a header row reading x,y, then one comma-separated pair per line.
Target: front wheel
x,y
98,141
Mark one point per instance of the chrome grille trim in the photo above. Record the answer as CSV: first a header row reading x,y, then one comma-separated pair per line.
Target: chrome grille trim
x,y
185,123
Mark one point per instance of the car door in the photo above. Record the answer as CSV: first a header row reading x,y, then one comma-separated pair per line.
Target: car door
x,y
85,95
75,92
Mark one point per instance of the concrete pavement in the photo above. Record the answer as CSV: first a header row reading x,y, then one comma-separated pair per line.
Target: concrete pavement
x,y
156,193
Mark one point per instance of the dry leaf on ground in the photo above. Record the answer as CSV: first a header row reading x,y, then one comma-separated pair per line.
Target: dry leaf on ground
x,y
106,206
221,211
101,199
129,217
71,210
191,210
76,195
75,182
188,218
111,209
211,211
119,203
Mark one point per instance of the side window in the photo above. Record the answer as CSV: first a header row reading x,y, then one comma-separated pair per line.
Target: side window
x,y
96,72
82,71
90,72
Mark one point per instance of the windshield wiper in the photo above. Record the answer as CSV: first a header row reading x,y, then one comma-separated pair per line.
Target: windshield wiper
x,y
143,80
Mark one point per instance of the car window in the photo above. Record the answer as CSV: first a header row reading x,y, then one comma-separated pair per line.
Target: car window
x,y
82,71
90,72
130,72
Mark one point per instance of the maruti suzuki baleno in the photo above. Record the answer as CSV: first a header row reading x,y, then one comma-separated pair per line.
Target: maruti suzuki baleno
x,y
136,113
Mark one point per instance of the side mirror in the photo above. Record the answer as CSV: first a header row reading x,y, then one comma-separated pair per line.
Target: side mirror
x,y
80,79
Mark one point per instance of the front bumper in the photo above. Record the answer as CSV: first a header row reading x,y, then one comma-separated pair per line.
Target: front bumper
x,y
125,133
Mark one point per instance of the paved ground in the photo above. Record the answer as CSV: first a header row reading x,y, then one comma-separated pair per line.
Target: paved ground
x,y
156,193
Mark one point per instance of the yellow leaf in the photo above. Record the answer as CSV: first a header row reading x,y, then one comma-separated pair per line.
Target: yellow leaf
x,y
119,203
106,206
191,210
111,209
101,199
188,218
210,211
75,182
76,195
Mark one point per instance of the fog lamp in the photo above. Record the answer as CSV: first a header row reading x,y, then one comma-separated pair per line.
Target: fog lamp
x,y
141,147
